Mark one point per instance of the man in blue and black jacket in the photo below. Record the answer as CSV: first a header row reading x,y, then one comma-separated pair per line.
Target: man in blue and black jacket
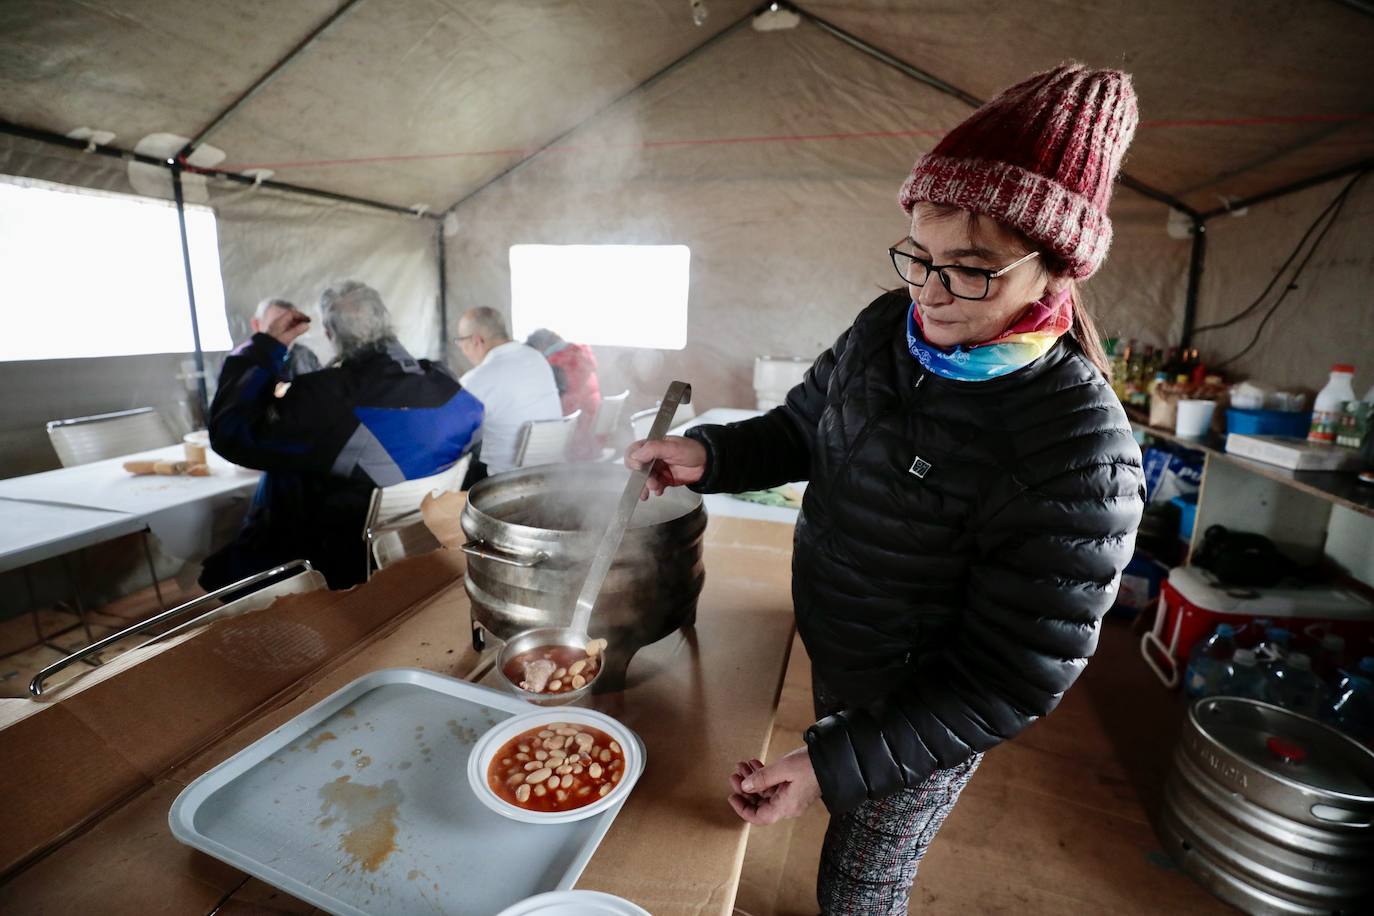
x,y
375,417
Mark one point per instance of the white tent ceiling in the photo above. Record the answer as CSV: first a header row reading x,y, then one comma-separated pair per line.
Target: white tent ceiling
x,y
425,101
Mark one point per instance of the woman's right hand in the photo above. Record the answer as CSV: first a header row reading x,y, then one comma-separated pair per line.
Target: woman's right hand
x,y
681,461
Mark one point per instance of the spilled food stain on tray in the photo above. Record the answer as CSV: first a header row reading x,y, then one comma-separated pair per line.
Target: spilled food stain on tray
x,y
369,815
314,743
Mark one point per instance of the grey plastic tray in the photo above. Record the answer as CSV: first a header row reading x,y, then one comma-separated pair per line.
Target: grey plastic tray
x,y
361,805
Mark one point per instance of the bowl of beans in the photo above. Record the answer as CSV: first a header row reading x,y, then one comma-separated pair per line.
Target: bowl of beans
x,y
551,666
555,766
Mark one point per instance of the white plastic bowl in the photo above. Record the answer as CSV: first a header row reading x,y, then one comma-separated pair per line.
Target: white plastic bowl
x,y
487,746
574,903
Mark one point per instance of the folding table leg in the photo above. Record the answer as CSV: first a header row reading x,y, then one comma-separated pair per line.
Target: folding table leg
x,y
80,606
152,570
43,639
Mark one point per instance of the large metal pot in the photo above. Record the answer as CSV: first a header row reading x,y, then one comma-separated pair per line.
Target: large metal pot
x,y
531,534
1272,811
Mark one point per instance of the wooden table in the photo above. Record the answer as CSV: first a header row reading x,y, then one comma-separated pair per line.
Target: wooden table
x,y
701,700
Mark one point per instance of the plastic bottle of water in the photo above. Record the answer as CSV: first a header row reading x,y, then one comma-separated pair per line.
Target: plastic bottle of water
x,y
1252,634
1291,684
1241,677
1207,661
1328,658
1352,707
1275,645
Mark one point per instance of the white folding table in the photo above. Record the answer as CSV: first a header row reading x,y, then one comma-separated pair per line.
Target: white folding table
x,y
179,510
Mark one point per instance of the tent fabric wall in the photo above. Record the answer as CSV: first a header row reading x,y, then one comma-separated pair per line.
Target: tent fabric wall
x,y
1328,318
270,244
746,153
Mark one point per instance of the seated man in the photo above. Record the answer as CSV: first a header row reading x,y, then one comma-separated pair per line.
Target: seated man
x,y
375,418
574,370
302,359
513,382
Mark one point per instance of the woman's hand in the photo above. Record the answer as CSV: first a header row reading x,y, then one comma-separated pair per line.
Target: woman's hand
x,y
768,794
680,461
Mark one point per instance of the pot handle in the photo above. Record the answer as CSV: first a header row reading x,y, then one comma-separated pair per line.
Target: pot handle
x,y
485,551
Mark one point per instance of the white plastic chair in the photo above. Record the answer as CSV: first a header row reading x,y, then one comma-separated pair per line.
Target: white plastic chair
x,y
401,540
82,440
400,503
545,441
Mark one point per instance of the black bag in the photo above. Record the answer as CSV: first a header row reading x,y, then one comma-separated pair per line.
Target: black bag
x,y
1241,558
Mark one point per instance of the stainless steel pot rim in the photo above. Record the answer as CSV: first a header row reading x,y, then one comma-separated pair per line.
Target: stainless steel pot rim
x,y
1206,736
533,532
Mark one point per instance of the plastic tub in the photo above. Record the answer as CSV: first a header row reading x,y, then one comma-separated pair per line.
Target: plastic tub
x,y
1194,418
1268,422
1187,507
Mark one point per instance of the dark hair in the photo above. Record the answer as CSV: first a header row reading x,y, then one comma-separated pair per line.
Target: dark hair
x,y
1084,330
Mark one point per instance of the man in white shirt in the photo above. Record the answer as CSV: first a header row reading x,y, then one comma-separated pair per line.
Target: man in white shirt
x,y
514,383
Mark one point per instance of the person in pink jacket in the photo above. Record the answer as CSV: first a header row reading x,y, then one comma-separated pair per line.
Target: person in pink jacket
x,y
574,370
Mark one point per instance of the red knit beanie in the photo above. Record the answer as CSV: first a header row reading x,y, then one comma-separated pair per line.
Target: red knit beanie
x,y
1041,158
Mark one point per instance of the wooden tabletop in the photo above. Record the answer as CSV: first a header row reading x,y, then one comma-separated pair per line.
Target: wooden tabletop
x,y
700,699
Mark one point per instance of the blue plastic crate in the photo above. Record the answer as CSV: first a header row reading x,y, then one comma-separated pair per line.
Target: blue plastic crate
x,y
1268,422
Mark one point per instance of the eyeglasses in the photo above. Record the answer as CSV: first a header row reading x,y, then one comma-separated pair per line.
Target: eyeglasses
x,y
962,282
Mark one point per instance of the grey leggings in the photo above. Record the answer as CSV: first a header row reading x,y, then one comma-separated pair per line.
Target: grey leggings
x,y
870,855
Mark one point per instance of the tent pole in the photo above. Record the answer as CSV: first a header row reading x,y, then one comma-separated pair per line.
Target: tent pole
x,y
1292,188
114,152
263,80
935,82
191,293
1195,262
443,292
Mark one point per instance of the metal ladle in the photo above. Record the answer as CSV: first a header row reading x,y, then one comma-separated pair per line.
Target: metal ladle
x,y
575,634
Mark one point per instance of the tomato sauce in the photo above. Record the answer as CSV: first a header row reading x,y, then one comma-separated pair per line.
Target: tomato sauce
x,y
557,767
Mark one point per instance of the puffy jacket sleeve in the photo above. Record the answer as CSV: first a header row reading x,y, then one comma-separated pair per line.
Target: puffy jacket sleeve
x,y
250,426
775,448
1049,560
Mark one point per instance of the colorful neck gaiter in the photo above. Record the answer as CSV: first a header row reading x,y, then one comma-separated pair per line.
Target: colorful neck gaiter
x,y
1021,344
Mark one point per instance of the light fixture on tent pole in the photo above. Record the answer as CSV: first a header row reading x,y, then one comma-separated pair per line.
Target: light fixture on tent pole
x,y
776,18
699,11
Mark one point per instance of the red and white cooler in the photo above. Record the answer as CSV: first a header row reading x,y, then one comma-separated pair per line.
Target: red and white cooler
x,y
1192,603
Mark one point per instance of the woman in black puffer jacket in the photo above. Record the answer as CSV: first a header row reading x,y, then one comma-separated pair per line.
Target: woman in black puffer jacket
x,y
974,486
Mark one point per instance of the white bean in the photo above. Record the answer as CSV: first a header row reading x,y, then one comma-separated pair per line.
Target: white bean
x,y
554,685
561,673
605,787
540,791
615,748
605,757
522,794
515,779
577,666
578,682
561,795
563,770
540,775
533,765
577,769
553,781
567,781
594,771
522,756
585,790
524,748
544,734
556,743
541,755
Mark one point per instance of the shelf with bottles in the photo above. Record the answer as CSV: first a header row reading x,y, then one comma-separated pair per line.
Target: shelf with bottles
x,y
1342,488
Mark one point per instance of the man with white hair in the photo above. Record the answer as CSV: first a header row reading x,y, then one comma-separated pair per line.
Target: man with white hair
x,y
513,382
375,417
301,358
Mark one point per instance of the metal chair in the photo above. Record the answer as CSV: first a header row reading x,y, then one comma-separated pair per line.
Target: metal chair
x,y
400,503
545,441
608,415
82,440
642,420
305,579
405,539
